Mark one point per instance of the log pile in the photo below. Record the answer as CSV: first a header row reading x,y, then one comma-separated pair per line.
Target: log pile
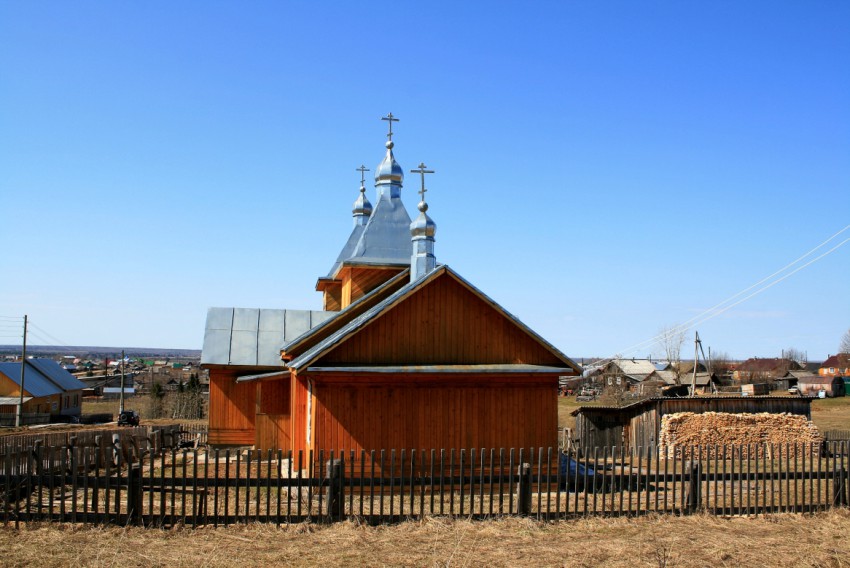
x,y
758,434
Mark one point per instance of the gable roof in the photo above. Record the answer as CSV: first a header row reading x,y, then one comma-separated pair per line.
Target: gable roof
x,y
634,367
363,320
337,319
42,377
251,336
836,361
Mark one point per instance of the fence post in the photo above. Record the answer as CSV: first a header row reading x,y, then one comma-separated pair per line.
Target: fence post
x,y
335,497
694,501
523,490
839,488
134,494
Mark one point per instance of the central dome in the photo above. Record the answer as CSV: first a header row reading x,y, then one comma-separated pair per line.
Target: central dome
x,y
388,171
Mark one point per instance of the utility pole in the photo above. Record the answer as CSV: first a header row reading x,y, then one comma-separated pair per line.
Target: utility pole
x,y
696,362
20,415
121,404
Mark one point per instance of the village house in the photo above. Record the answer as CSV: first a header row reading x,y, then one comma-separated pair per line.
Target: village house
x,y
50,391
759,369
405,354
835,366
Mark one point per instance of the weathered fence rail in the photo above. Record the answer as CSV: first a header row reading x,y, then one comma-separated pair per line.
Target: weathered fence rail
x,y
82,484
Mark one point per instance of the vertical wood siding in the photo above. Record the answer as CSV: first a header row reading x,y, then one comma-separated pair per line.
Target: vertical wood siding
x,y
443,323
400,411
232,409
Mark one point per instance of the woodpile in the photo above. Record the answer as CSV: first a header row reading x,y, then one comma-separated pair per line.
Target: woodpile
x,y
757,434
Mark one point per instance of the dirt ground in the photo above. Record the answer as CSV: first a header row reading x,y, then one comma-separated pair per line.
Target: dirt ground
x,y
780,540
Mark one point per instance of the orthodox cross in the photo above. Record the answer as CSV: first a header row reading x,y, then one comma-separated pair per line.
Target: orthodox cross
x,y
390,118
362,169
422,171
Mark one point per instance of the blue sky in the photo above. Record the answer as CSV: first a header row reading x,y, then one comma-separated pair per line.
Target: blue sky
x,y
604,169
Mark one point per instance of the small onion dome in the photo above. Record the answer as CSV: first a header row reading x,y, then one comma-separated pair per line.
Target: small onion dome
x,y
388,171
423,226
361,204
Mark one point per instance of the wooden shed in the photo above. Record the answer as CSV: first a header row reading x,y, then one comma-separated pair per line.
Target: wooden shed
x,y
812,385
639,424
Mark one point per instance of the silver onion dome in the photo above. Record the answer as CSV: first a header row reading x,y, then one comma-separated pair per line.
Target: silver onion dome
x,y
423,225
362,206
388,171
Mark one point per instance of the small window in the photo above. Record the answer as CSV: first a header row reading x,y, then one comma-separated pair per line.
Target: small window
x,y
619,380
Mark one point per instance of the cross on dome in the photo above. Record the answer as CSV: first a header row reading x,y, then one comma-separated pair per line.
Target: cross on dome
x,y
390,118
422,171
362,169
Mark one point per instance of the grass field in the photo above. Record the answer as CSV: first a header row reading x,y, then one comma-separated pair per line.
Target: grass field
x,y
827,413
780,540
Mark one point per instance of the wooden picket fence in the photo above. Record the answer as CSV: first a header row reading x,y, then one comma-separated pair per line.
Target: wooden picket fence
x,y
126,484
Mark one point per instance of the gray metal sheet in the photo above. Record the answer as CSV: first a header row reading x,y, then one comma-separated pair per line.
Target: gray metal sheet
x,y
268,348
272,320
320,317
246,319
216,350
243,347
220,318
297,322
386,237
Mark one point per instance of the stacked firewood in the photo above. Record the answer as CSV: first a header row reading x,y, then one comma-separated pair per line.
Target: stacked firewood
x,y
753,435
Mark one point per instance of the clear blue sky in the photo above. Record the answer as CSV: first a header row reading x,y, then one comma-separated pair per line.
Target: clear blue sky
x,y
603,169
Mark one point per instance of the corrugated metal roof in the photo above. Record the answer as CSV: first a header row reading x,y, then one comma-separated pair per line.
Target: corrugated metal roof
x,y
443,369
36,382
324,346
252,336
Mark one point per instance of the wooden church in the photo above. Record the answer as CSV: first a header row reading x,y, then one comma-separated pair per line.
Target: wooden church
x,y
405,354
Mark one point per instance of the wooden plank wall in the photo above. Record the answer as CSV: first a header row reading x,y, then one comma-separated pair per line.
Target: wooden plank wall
x,y
359,281
274,422
232,409
444,323
400,411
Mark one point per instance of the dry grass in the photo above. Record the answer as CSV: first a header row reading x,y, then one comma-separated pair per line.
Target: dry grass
x,y
781,540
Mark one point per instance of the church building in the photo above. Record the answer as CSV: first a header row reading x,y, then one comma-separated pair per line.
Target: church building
x,y
405,353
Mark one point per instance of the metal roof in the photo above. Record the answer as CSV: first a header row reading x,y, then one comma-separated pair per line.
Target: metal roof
x,y
646,401
41,377
322,347
442,369
57,374
386,237
252,336
348,249
9,400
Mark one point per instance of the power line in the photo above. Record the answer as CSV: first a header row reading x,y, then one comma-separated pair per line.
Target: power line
x,y
720,308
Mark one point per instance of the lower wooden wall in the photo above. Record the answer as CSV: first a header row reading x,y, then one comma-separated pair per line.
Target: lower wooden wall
x,y
354,413
232,409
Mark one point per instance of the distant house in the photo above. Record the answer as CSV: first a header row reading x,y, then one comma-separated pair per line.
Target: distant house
x,y
758,369
627,371
48,388
812,385
835,366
